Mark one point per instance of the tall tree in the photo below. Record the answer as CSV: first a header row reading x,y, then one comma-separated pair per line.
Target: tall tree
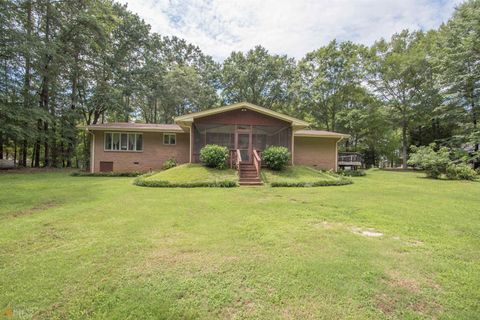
x,y
458,63
258,77
329,78
400,75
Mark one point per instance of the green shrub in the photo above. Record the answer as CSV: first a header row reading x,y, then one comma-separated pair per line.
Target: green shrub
x,y
276,158
170,163
214,156
106,174
352,173
320,183
433,162
461,171
143,182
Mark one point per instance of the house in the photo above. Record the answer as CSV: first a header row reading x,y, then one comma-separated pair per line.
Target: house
x,y
243,126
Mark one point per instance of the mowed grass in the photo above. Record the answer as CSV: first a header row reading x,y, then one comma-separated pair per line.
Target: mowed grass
x,y
96,248
297,174
188,173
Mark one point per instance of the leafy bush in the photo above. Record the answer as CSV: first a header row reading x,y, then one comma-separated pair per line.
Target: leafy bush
x,y
320,183
353,173
433,162
106,174
276,158
214,156
143,182
170,163
461,171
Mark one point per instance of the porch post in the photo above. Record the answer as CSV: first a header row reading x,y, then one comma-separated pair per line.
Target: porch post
x,y
191,143
336,155
92,153
293,146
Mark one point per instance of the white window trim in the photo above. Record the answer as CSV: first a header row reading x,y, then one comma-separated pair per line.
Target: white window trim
x,y
169,134
120,133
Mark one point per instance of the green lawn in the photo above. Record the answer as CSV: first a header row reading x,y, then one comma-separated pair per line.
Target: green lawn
x,y
300,176
193,175
100,247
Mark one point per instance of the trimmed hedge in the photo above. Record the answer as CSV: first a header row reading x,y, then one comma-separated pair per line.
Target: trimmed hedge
x,y
321,183
170,163
105,174
214,156
353,173
143,182
275,157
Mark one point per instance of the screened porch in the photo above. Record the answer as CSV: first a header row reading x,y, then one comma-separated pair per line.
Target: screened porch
x,y
244,138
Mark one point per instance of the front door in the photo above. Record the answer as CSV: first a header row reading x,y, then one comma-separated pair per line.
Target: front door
x,y
244,144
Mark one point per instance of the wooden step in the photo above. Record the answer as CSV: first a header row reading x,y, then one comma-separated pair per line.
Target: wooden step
x,y
250,179
249,173
251,183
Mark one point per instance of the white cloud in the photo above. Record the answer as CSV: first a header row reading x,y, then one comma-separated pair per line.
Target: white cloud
x,y
292,27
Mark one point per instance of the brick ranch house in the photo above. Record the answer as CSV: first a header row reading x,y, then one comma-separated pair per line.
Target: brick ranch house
x,y
244,128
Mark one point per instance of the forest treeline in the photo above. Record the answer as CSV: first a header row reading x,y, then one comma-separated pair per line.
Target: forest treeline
x,y
70,63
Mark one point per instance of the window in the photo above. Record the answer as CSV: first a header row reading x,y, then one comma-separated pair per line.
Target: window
x,y
122,141
169,138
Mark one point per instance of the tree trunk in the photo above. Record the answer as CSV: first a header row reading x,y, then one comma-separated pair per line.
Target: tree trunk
x,y
27,77
46,146
404,142
35,155
1,146
15,153
24,153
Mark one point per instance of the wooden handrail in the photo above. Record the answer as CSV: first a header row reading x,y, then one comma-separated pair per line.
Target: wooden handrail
x,y
257,162
239,159
235,158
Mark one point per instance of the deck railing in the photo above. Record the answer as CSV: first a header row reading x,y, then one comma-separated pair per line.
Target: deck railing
x,y
350,158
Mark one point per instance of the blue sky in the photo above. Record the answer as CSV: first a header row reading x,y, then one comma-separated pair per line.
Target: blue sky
x,y
286,27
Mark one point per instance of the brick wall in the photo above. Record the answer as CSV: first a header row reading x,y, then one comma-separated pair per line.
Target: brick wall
x,y
151,158
316,152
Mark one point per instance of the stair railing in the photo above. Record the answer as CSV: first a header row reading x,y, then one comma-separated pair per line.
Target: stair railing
x,y
235,159
257,162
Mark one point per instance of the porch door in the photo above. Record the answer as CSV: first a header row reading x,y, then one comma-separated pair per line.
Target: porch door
x,y
243,142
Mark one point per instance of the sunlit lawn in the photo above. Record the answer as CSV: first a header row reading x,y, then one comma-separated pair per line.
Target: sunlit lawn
x,y
91,247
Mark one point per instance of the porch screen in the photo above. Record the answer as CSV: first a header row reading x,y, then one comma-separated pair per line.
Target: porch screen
x,y
264,136
224,135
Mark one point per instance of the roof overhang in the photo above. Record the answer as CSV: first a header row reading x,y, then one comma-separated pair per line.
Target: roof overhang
x,y
134,128
320,134
187,120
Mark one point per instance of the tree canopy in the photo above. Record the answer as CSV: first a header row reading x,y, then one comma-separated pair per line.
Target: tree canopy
x,y
68,63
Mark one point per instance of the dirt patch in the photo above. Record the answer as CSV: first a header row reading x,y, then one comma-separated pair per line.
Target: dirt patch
x,y
416,243
35,209
386,303
367,232
396,280
323,224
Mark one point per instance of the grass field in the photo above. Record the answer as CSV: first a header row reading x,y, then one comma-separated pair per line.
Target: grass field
x,y
299,175
390,246
192,175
